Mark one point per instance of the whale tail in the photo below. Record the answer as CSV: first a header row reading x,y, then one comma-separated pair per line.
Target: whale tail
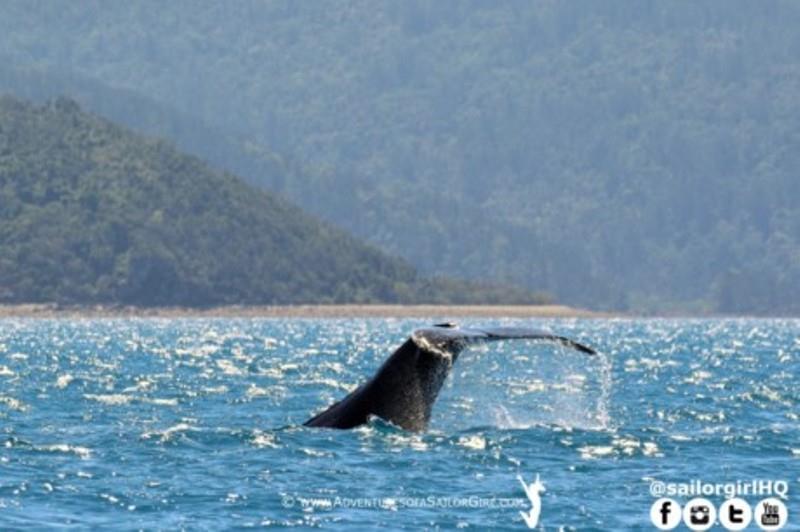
x,y
405,387
454,335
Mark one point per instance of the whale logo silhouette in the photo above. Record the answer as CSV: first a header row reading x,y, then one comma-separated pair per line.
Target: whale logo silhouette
x,y
532,491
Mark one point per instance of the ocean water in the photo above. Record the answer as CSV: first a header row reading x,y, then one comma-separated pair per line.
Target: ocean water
x,y
196,424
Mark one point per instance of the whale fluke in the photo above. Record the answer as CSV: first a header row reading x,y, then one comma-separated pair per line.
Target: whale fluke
x,y
405,387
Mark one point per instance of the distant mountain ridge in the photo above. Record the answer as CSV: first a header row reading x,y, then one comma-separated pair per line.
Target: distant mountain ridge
x,y
93,213
191,134
617,154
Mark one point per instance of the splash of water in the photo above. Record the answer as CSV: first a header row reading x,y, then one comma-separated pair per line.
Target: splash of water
x,y
551,387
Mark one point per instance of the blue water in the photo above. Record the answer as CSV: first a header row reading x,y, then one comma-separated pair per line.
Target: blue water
x,y
195,423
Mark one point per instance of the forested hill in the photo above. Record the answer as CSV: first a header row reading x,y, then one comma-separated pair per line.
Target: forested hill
x,y
91,213
621,153
189,132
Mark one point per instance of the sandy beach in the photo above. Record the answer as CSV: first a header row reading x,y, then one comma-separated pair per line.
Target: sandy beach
x,y
301,311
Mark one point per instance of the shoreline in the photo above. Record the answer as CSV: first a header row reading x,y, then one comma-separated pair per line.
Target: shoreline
x,y
301,311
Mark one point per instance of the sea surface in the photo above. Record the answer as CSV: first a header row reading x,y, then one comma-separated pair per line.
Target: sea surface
x,y
196,424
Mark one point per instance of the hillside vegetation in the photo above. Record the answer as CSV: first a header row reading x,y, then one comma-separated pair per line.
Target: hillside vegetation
x,y
618,154
189,132
90,212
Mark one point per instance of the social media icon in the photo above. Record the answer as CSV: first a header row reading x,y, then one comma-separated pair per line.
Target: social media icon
x,y
771,514
665,514
699,514
735,514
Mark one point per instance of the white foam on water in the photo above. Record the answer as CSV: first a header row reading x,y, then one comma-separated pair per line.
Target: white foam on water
x,y
476,442
590,452
83,453
161,401
63,380
168,433
229,368
264,439
112,399
13,403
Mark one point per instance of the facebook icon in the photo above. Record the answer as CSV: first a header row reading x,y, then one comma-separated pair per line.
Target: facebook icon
x,y
665,511
665,514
